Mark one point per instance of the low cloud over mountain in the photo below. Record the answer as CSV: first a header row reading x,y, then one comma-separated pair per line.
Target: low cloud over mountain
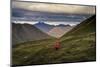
x,y
31,11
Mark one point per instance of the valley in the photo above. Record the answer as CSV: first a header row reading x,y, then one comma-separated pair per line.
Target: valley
x,y
77,45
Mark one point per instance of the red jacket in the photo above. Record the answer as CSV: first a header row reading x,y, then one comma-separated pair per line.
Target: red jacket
x,y
57,45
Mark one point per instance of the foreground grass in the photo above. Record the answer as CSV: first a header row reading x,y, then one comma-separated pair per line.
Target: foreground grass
x,y
73,49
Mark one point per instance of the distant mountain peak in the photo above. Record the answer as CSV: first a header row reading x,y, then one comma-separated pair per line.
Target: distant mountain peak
x,y
41,23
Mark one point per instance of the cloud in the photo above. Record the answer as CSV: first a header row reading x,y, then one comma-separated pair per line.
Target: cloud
x,y
26,15
54,8
31,12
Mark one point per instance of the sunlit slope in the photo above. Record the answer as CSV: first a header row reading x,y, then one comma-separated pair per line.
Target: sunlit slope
x,y
59,31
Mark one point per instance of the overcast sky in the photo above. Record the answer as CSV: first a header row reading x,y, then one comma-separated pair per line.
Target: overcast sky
x,y
61,13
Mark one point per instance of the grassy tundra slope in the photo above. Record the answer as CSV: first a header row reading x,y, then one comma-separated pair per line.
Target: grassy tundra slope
x,y
80,42
77,45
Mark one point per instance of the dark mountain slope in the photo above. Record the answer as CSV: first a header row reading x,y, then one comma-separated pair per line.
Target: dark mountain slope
x,y
25,32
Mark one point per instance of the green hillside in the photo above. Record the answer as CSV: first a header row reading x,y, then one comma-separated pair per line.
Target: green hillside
x,y
80,41
77,45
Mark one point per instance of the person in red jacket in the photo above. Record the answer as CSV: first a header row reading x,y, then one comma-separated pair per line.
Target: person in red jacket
x,y
57,45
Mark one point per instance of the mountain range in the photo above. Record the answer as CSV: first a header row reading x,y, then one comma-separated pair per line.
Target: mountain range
x,y
53,30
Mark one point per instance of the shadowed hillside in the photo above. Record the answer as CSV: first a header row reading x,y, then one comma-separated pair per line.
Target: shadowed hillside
x,y
78,45
26,32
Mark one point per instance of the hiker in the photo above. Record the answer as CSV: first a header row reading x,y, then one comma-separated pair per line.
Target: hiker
x,y
57,45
